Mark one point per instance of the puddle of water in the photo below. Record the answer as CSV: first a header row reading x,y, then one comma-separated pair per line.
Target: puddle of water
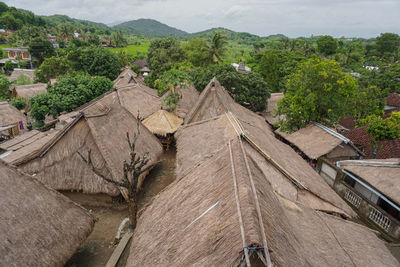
x,y
97,249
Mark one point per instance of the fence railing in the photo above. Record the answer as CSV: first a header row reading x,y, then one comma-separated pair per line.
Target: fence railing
x,y
351,197
377,217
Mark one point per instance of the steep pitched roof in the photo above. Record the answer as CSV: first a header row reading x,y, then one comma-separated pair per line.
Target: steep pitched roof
x,y
162,123
16,72
393,100
100,127
229,200
272,107
39,226
188,98
127,76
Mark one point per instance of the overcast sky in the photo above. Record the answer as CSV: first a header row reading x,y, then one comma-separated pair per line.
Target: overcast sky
x,y
362,18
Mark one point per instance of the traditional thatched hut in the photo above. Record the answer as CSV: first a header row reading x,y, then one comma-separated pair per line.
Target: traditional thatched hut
x,y
234,202
100,127
188,97
372,188
27,72
127,76
24,146
9,114
162,123
317,141
28,91
272,106
39,226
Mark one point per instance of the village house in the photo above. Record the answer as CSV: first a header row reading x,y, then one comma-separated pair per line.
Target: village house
x,y
143,66
241,67
247,198
101,128
28,91
316,141
372,188
392,103
17,72
39,226
15,54
12,121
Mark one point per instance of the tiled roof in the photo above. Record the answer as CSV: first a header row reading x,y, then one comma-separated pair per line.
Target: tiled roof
x,y
393,100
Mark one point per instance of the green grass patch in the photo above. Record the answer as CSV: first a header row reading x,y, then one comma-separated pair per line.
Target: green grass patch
x,y
133,50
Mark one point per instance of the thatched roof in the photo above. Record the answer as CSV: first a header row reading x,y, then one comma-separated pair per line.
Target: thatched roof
x,y
272,107
127,76
379,173
199,141
202,225
162,123
28,91
100,127
188,98
139,98
39,226
16,72
214,100
316,141
9,114
24,146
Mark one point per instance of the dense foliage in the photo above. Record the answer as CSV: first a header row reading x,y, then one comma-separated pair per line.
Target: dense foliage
x,y
95,60
52,67
18,102
22,80
67,94
4,85
383,129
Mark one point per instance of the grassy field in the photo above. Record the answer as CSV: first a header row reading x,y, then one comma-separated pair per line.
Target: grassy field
x,y
133,50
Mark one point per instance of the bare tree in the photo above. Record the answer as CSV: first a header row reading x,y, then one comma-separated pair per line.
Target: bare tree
x,y
132,171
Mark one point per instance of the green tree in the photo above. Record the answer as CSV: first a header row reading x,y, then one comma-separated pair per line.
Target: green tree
x,y
123,58
67,94
369,101
65,31
318,91
388,43
40,49
9,66
4,86
248,89
22,80
170,79
95,60
118,39
197,52
217,46
383,129
327,45
18,102
276,65
52,67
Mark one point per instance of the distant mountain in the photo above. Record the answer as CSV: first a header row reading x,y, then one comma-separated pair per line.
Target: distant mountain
x,y
149,27
241,37
54,20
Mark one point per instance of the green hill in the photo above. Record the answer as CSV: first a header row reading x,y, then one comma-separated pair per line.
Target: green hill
x,y
149,27
54,20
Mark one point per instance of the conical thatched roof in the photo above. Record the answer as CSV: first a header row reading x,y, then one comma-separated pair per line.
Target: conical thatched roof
x,y
202,225
188,98
9,114
100,127
162,123
39,226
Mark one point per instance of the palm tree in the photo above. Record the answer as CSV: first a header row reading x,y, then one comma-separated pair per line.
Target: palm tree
x,y
217,46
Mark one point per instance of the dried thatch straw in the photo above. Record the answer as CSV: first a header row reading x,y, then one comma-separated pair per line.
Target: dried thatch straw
x,y
188,98
127,76
384,177
39,226
162,123
316,142
9,114
28,91
272,107
24,146
101,127
16,72
199,225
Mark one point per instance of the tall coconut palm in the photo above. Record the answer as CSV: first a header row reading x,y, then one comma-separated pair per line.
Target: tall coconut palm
x,y
217,47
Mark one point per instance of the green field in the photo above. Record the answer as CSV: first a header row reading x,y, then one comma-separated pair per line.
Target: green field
x,y
133,50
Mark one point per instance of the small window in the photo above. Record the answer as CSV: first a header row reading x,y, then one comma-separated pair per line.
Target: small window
x,y
349,181
389,209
